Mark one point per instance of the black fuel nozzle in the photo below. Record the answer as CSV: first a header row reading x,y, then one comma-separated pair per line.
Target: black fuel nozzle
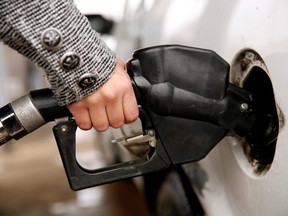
x,y
28,113
184,96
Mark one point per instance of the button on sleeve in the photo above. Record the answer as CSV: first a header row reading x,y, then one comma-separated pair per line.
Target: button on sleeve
x,y
51,39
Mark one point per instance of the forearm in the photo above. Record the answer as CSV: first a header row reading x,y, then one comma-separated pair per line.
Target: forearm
x,y
22,26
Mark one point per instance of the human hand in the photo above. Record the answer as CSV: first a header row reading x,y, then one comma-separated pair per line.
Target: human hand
x,y
113,104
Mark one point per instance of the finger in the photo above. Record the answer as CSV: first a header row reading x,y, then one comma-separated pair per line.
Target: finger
x,y
115,113
130,107
81,116
99,117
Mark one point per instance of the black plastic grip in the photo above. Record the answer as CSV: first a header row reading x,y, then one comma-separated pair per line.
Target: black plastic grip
x,y
166,100
47,105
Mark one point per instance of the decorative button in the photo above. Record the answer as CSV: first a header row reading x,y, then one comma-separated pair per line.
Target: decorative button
x,y
87,80
70,61
51,39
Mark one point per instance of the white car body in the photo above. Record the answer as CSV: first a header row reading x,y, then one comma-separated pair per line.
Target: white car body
x,y
228,28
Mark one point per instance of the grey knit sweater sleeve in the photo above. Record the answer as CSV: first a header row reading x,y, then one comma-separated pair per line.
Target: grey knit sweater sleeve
x,y
57,37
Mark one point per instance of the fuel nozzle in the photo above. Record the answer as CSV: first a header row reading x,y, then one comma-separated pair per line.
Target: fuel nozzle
x,y
28,113
6,118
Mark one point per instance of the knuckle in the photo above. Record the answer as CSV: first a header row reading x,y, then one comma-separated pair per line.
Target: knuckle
x,y
109,96
74,108
92,101
126,85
